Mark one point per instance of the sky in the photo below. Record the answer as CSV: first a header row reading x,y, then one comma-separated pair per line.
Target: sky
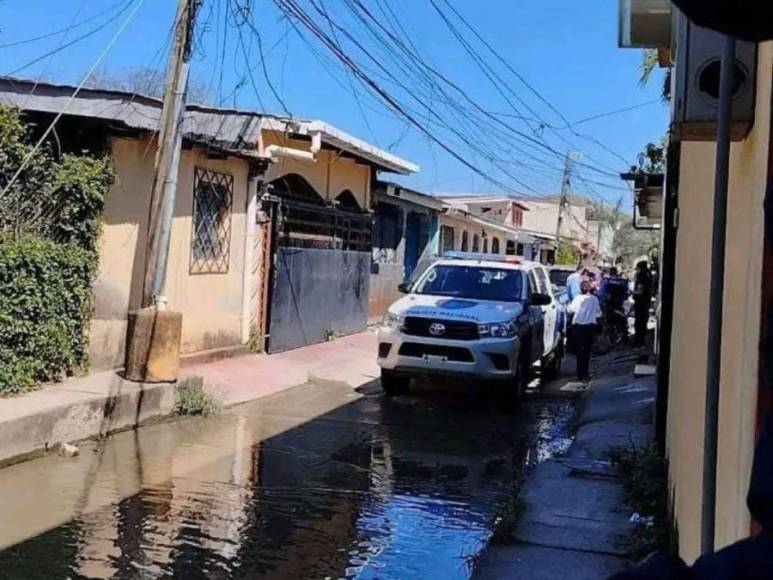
x,y
566,50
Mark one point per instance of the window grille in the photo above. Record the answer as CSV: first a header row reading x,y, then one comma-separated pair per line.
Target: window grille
x,y
211,238
446,239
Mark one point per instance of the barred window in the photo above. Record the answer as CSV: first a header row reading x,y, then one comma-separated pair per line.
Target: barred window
x,y
446,239
211,239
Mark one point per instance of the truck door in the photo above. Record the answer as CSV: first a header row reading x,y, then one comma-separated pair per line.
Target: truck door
x,y
549,312
538,320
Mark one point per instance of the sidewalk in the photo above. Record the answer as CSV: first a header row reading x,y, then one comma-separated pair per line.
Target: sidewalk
x,y
102,403
574,523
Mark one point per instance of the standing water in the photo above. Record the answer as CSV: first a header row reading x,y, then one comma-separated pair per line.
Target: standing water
x,y
316,482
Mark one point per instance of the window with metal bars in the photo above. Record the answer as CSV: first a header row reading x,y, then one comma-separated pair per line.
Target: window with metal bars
x,y
446,239
211,237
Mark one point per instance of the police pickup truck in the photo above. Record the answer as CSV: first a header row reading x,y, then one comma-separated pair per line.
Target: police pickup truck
x,y
477,316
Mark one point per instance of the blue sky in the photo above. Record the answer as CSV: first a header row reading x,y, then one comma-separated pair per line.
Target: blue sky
x,y
566,49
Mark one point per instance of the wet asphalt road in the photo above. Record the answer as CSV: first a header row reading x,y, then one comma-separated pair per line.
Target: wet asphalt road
x,y
317,482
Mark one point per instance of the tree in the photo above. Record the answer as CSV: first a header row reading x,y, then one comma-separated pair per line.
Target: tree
x,y
630,243
653,159
145,81
567,255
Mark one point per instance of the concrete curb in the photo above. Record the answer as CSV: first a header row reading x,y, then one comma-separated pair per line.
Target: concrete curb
x,y
103,403
35,423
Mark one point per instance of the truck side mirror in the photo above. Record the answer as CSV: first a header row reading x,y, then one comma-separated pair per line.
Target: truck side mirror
x,y
538,299
403,287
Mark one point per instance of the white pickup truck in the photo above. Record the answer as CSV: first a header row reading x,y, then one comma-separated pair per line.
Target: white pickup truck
x,y
476,316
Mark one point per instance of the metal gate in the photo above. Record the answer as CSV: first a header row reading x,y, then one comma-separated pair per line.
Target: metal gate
x,y
320,277
317,294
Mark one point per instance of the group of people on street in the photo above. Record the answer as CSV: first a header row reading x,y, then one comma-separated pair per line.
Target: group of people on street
x,y
597,302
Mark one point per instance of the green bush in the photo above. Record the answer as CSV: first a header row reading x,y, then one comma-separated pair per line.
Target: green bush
x,y
191,398
45,302
50,222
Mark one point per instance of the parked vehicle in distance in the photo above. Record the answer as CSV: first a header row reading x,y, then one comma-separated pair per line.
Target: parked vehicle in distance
x,y
558,276
479,316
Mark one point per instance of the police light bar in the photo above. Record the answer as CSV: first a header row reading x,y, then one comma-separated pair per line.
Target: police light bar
x,y
481,257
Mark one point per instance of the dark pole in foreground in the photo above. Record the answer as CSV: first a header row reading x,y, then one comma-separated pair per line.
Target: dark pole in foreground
x,y
716,297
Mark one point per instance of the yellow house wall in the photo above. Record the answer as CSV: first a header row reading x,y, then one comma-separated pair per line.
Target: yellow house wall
x,y
743,272
210,303
329,174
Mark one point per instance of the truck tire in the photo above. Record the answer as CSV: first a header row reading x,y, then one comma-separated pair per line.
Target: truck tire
x,y
394,384
551,366
521,380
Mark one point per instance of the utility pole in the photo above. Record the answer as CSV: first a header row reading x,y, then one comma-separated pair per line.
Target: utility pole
x,y
154,333
564,199
164,191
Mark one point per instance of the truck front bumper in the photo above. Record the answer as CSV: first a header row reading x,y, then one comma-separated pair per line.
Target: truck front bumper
x,y
485,358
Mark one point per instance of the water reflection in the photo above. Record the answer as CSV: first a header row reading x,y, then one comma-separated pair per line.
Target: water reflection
x,y
316,482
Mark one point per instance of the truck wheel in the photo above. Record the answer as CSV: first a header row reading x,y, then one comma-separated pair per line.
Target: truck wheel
x,y
551,366
521,380
394,384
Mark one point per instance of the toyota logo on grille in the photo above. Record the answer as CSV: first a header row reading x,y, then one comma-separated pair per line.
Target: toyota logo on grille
x,y
436,329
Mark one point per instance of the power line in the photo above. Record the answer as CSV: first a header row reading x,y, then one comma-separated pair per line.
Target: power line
x,y
432,115
88,34
520,77
72,26
614,112
67,104
291,7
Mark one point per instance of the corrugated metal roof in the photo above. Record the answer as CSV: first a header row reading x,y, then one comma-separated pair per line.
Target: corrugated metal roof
x,y
228,129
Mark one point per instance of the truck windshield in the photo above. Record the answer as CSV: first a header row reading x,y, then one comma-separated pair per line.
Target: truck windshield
x,y
478,283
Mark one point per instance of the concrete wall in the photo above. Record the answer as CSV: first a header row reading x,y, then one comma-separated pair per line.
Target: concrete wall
x,y
210,303
542,217
602,236
749,167
330,174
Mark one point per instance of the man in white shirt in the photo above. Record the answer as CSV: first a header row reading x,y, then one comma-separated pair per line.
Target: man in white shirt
x,y
586,311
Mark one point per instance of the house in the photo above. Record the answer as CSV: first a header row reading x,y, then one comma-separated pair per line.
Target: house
x,y
601,237
535,218
543,213
464,231
685,211
405,227
499,208
265,207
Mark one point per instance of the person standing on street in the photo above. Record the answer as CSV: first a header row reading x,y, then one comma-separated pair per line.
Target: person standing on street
x,y
642,298
573,282
615,294
586,311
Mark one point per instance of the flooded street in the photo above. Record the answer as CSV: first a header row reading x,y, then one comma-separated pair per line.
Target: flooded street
x,y
317,482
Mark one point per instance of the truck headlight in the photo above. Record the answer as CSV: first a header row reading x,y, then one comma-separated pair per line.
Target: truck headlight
x,y
393,321
498,330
